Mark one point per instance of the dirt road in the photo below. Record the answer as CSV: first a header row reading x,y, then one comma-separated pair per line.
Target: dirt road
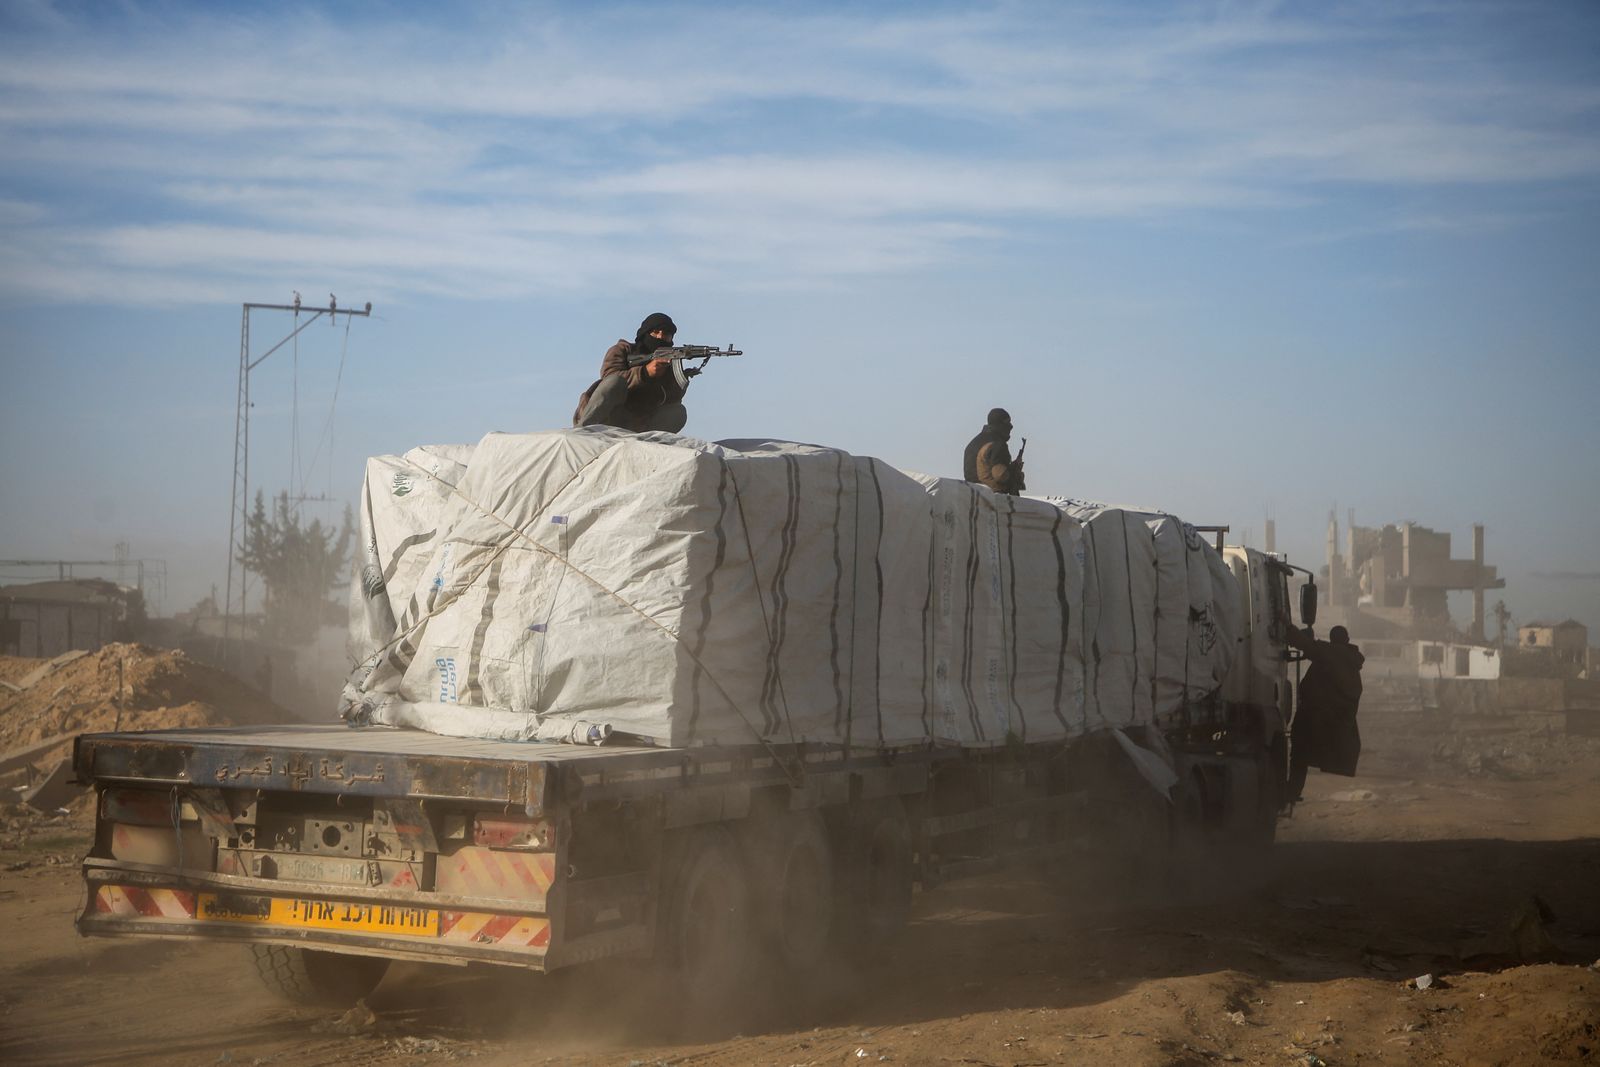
x,y
1375,881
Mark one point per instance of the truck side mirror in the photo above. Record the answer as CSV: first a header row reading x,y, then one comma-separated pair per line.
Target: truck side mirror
x,y
1308,604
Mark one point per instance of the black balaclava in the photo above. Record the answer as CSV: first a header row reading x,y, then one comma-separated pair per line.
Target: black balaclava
x,y
643,342
999,419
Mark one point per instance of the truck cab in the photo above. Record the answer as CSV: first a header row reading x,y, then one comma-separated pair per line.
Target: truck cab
x,y
1232,752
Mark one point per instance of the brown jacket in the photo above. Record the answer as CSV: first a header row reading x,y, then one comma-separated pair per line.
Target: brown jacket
x,y
645,393
994,467
988,462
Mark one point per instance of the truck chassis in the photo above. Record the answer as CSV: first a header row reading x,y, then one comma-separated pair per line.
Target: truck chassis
x,y
321,844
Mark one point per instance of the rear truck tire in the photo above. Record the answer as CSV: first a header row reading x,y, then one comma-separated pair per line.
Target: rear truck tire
x,y
703,927
310,976
1191,857
792,880
874,879
1274,793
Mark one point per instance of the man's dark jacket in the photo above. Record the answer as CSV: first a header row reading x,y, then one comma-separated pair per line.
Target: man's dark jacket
x,y
1330,694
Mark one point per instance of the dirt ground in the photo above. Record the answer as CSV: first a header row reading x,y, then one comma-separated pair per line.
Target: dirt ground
x,y
1310,961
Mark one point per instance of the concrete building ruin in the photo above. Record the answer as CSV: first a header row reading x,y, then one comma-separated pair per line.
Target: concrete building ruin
x,y
1396,579
1390,587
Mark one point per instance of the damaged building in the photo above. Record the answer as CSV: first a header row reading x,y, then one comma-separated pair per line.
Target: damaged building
x,y
44,619
1390,587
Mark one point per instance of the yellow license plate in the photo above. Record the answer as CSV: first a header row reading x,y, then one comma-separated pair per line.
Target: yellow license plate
x,y
318,914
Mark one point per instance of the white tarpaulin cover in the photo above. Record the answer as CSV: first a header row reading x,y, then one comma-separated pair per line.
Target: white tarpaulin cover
x,y
559,585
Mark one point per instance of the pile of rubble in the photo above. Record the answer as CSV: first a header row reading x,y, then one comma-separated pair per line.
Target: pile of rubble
x,y
123,687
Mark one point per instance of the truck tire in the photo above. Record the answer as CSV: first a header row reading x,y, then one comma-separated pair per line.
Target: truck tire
x,y
874,879
1274,789
791,868
1191,836
703,926
326,979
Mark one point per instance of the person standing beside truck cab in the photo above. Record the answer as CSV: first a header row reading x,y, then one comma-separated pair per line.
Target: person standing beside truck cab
x,y
1324,733
647,397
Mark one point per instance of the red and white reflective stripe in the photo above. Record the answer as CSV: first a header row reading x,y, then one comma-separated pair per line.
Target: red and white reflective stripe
x,y
481,928
474,871
127,900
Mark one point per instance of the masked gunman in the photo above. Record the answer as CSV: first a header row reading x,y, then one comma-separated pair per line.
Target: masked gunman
x,y
647,397
987,459
1324,733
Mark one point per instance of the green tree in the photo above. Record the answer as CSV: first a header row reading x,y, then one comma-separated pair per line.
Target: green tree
x,y
299,564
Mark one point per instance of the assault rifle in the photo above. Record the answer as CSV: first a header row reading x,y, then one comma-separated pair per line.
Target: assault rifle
x,y
677,354
1018,479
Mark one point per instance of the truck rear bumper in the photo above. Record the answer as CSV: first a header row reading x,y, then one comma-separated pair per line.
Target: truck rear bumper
x,y
133,900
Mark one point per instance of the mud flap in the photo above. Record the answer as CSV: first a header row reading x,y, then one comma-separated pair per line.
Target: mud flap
x,y
1155,767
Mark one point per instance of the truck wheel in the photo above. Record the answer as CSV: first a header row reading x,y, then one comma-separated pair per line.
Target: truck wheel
x,y
791,865
1191,839
1274,786
327,979
703,932
875,874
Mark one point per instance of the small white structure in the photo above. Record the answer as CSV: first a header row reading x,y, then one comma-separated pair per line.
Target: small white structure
x,y
1429,659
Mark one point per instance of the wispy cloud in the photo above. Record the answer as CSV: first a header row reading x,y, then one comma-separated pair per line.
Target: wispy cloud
x,y
170,152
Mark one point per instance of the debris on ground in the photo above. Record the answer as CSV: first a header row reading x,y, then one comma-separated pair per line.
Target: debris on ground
x,y
123,686
359,1019
54,791
430,1046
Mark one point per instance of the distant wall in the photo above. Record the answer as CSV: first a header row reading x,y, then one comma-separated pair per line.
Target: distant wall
x,y
45,628
1533,693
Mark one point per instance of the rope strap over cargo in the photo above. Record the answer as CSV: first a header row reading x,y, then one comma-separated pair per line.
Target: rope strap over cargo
x,y
793,770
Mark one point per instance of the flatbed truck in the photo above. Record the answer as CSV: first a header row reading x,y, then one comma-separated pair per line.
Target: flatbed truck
x,y
332,851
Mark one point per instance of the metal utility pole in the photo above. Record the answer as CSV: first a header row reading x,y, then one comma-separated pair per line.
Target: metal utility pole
x,y
239,517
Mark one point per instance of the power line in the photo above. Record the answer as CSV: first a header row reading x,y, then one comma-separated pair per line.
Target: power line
x,y
238,593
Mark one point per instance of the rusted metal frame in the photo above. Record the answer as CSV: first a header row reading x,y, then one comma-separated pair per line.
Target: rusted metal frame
x,y
908,771
422,950
581,792
252,858
98,872
520,783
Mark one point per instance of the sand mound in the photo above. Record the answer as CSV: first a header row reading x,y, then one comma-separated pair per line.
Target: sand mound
x,y
15,668
160,689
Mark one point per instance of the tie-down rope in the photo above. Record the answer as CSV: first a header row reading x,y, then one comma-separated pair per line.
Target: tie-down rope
x,y
613,594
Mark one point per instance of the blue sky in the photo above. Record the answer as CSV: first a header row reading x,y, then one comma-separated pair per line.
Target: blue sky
x,y
1227,259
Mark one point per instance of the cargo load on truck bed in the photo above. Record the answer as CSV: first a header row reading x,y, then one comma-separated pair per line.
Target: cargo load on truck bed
x,y
563,585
